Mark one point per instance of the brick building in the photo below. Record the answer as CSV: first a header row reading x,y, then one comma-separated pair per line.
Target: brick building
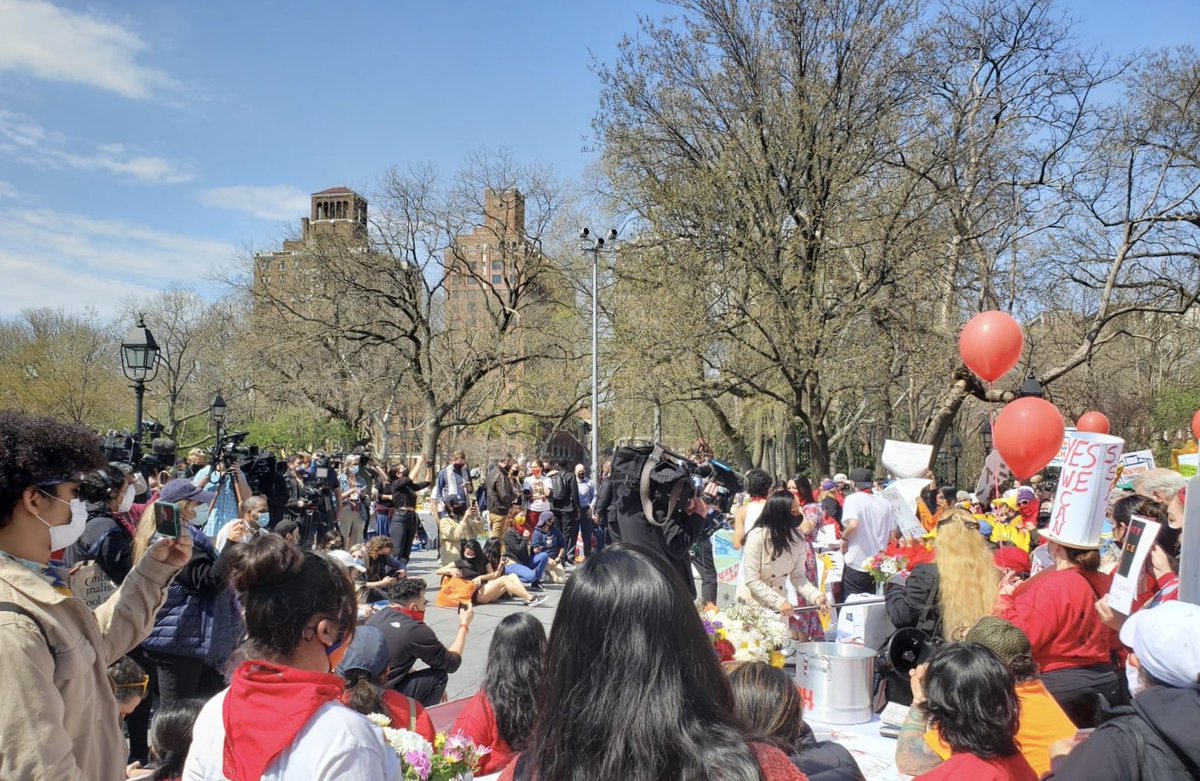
x,y
488,260
336,214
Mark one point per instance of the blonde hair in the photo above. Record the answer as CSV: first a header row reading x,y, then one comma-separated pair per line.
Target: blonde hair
x,y
146,529
969,581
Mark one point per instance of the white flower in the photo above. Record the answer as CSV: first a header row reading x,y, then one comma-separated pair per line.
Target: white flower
x,y
402,742
379,720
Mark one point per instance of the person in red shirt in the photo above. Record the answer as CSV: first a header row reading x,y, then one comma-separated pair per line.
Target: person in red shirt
x,y
970,697
501,714
1056,609
363,667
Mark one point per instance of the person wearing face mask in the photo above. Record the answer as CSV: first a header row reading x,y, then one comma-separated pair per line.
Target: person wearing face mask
x,y
107,538
254,521
281,717
197,628
60,716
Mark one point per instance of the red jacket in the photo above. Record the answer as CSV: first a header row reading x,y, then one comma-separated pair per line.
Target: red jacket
x,y
477,721
1057,610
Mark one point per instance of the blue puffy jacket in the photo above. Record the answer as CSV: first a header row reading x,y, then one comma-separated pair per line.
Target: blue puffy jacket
x,y
200,618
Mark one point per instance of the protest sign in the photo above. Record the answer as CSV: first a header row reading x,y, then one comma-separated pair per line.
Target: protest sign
x,y
1089,469
1189,464
1136,463
1139,539
1189,558
725,560
995,473
903,495
1061,458
906,459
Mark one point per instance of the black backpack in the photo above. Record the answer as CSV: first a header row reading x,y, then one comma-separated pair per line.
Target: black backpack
x,y
650,483
560,490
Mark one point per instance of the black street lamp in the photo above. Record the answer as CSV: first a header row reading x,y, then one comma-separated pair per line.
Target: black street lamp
x,y
216,411
1031,388
956,447
139,363
986,432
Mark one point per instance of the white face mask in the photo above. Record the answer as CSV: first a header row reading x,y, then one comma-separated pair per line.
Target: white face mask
x,y
200,517
65,536
126,500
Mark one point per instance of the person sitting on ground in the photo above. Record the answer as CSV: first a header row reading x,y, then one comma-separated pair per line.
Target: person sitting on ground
x,y
381,568
491,581
548,539
330,541
523,562
253,521
500,716
1042,723
281,717
1155,738
970,699
170,740
57,717
289,530
364,666
130,684
768,703
662,709
410,639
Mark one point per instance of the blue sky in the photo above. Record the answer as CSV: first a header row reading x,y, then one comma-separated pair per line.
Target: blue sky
x,y
147,143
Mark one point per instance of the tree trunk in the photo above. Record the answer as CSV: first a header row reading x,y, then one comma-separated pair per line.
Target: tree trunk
x,y
739,452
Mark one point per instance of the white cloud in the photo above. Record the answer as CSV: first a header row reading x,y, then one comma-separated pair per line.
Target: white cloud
x,y
22,139
271,202
7,190
42,40
50,258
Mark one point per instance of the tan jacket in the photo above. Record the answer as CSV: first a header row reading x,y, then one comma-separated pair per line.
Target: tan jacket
x,y
452,532
58,715
766,572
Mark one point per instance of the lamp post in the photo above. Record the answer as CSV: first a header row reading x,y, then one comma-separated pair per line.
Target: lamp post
x,y
956,447
986,432
1031,388
139,364
216,411
594,246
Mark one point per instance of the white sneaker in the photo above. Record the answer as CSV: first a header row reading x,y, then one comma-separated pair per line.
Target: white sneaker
x,y
535,601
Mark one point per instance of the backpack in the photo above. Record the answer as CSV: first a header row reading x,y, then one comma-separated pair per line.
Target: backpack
x,y
1155,757
560,490
650,484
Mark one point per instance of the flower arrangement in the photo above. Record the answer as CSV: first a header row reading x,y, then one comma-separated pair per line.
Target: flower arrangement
x,y
746,633
882,567
449,758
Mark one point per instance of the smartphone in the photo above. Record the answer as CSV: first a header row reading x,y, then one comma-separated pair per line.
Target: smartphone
x,y
463,606
166,519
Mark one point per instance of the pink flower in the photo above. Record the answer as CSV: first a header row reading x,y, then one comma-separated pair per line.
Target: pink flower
x,y
419,762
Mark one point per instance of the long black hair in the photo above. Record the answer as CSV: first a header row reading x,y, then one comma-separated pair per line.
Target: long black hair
x,y
661,711
491,552
777,519
171,736
474,567
805,489
971,698
511,678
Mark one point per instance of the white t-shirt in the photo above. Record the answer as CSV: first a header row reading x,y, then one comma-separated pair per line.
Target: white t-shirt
x,y
876,520
223,535
337,743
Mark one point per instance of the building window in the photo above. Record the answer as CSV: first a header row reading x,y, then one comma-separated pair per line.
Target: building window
x,y
497,265
497,279
283,265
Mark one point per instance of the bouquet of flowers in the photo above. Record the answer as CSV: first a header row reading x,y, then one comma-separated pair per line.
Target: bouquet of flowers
x,y
882,567
746,633
453,758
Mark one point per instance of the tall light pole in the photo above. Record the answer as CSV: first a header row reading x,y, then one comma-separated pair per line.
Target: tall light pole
x,y
594,246
216,412
139,364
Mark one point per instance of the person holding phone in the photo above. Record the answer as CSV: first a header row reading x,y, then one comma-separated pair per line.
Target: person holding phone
x,y
525,564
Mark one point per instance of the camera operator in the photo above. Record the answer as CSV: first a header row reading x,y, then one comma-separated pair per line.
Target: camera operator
x,y
702,553
225,477
307,505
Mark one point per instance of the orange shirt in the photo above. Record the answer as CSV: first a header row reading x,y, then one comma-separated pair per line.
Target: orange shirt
x,y
1043,722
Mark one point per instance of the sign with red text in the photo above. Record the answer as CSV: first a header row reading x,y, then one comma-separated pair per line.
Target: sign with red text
x,y
1139,539
1088,472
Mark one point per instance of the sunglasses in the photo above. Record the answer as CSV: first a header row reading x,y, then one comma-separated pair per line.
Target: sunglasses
x,y
140,687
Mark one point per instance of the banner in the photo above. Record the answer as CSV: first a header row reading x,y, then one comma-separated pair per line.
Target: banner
x,y
1139,539
1189,464
995,473
1136,463
1189,557
1089,470
906,459
1061,458
903,496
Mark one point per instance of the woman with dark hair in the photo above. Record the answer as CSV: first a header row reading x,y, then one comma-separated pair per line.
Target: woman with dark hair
x,y
382,568
402,494
281,715
758,486
500,716
1056,609
330,541
802,489
662,710
171,739
491,581
970,698
768,703
522,561
108,537
776,553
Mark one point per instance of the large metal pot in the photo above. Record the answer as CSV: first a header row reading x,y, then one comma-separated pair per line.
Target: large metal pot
x,y
835,681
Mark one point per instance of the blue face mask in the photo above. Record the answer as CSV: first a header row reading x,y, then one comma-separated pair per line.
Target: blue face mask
x,y
264,520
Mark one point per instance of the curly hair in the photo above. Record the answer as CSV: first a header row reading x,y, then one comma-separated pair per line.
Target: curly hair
x,y
971,699
968,579
37,451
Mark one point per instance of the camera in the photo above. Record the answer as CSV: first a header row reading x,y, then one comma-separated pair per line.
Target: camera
x,y
229,449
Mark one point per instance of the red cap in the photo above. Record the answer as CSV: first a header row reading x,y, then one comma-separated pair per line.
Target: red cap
x,y
1013,558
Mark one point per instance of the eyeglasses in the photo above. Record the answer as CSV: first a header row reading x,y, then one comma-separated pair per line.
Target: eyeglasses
x,y
140,687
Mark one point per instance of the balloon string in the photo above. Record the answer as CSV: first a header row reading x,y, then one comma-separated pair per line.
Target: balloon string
x,y
992,428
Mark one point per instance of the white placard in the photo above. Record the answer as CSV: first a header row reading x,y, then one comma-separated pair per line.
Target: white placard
x,y
1136,462
1088,472
1139,539
903,496
1189,557
1061,458
995,473
906,459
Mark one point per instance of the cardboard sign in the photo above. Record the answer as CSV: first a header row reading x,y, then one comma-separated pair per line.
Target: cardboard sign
x,y
1189,557
903,496
1139,539
1061,458
1189,464
906,459
1080,505
995,473
1136,463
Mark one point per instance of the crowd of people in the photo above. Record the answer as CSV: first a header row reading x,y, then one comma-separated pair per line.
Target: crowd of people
x,y
255,645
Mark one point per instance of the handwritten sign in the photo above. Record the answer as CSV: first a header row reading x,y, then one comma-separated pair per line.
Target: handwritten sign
x,y
1136,463
906,459
1189,557
1089,469
1139,539
995,473
903,495
1061,458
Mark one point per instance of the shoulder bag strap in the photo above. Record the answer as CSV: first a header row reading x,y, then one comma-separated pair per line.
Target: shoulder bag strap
x,y
10,607
412,714
644,484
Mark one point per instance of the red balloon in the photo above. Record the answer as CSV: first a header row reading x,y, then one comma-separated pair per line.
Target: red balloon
x,y
1196,424
990,344
1028,433
1093,422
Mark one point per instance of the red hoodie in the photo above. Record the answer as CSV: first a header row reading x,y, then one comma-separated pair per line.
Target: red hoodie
x,y
1057,610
